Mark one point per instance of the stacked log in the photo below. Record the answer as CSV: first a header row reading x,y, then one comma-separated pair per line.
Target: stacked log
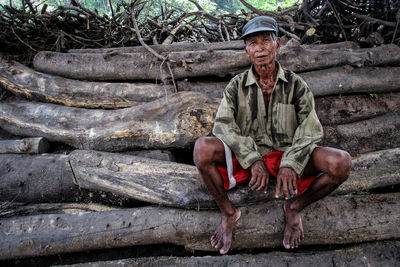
x,y
59,178
378,254
104,102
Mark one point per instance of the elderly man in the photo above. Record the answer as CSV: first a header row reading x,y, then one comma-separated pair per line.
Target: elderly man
x,y
267,119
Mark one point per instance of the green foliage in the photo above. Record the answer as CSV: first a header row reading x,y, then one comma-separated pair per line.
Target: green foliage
x,y
157,7
272,4
373,95
230,6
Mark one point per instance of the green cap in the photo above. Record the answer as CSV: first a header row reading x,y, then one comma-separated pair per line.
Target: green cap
x,y
260,24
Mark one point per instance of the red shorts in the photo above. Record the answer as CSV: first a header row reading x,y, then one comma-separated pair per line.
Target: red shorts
x,y
272,161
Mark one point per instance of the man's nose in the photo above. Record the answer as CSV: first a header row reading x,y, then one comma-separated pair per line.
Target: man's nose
x,y
259,47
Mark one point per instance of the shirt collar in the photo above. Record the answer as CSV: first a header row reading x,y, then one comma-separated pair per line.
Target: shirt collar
x,y
251,78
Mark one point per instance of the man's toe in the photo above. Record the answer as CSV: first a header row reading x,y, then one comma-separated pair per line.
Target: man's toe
x,y
225,248
286,245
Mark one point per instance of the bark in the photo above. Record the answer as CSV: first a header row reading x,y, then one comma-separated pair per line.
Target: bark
x,y
15,209
334,220
34,145
31,84
4,135
383,253
150,126
349,80
183,46
333,110
364,136
179,185
41,178
164,155
211,88
144,66
339,45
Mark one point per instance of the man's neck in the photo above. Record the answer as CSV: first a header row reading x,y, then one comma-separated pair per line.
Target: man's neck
x,y
264,72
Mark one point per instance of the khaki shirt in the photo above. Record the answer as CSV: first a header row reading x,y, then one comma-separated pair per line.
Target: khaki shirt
x,y
291,126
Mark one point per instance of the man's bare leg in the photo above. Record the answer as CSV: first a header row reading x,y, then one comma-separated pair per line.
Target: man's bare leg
x,y
208,152
335,165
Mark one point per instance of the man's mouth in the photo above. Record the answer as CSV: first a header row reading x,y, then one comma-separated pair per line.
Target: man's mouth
x,y
261,57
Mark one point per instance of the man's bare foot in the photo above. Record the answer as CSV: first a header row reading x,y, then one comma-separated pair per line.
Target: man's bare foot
x,y
222,238
294,233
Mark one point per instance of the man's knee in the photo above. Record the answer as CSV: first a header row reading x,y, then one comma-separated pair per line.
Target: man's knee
x,y
340,166
199,151
205,151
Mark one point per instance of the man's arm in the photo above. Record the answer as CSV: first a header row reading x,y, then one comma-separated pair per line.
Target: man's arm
x,y
244,147
307,134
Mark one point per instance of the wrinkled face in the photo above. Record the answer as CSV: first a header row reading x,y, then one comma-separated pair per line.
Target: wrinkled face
x,y
262,48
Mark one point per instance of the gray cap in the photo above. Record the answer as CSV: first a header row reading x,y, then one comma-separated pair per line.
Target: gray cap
x,y
259,24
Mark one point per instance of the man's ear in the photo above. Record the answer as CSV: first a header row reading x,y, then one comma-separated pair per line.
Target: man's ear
x,y
278,44
245,49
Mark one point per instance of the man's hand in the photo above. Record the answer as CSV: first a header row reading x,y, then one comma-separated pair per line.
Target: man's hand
x,y
259,176
287,179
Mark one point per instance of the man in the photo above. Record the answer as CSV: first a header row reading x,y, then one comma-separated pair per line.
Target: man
x,y
267,119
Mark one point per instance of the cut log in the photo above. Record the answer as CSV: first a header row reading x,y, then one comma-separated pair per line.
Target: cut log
x,y
46,178
183,46
383,253
364,136
35,179
372,170
34,85
34,145
335,110
154,125
31,84
32,179
299,59
349,80
342,80
14,209
230,45
141,66
149,180
179,185
333,220
145,66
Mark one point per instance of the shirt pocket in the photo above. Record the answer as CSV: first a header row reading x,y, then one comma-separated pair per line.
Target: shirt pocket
x,y
285,121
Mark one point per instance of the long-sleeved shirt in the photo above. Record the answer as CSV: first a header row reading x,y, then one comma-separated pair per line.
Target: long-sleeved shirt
x,y
289,123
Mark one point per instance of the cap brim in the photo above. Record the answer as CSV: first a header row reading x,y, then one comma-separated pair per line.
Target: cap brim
x,y
264,29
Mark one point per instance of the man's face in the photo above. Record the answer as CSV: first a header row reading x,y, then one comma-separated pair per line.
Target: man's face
x,y
262,48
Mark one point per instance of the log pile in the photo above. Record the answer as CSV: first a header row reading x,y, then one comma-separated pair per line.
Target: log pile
x,y
68,110
33,27
116,107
